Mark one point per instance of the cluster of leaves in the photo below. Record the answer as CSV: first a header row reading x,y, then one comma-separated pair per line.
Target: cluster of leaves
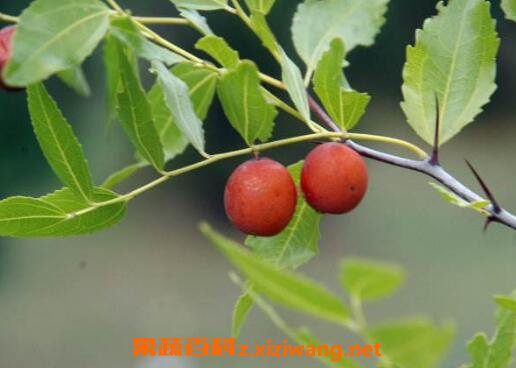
x,y
54,37
406,343
452,62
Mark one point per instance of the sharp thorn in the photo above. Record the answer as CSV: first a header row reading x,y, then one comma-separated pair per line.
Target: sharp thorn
x,y
434,159
485,188
488,222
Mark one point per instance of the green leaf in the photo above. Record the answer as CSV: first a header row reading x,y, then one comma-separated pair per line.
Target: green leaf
x,y
219,49
317,23
121,175
197,20
453,60
298,243
509,8
55,35
201,4
286,288
76,80
345,106
242,308
506,302
201,86
292,78
417,343
58,214
126,31
135,114
370,280
177,98
261,28
454,199
496,353
245,104
262,6
58,142
110,59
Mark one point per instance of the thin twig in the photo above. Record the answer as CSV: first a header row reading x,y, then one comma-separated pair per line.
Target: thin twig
x,y
162,20
8,18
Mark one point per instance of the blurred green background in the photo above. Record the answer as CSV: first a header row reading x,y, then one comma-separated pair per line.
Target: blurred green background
x,y
80,301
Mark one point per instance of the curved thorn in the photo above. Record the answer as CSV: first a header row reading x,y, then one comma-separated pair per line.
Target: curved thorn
x,y
488,222
487,191
434,159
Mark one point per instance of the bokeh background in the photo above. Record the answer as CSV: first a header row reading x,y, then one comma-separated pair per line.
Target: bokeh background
x,y
80,301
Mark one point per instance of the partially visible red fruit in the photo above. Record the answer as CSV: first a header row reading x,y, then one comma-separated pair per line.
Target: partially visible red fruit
x,y
334,178
6,46
260,197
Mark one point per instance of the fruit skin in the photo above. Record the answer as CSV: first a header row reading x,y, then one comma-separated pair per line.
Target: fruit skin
x,y
260,197
6,45
334,178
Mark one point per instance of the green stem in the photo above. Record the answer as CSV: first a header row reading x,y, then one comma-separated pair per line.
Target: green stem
x,y
208,161
394,141
275,318
241,13
162,20
115,6
8,18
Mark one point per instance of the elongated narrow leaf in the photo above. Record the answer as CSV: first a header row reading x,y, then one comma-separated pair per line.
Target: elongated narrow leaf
x,y
414,343
111,64
242,308
62,213
110,58
219,49
496,353
370,280
454,199
292,78
345,106
286,288
509,7
58,142
201,4
262,6
506,302
75,79
318,22
197,20
245,105
55,35
453,60
124,29
201,88
135,114
298,243
177,98
261,28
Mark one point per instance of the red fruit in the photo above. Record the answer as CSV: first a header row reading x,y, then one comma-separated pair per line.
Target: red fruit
x,y
334,178
260,197
6,45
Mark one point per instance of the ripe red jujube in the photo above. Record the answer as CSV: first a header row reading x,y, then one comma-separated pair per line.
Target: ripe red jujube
x,y
334,178
6,45
260,197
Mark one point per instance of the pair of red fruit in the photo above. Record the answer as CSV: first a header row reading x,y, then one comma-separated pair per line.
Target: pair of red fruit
x,y
261,196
